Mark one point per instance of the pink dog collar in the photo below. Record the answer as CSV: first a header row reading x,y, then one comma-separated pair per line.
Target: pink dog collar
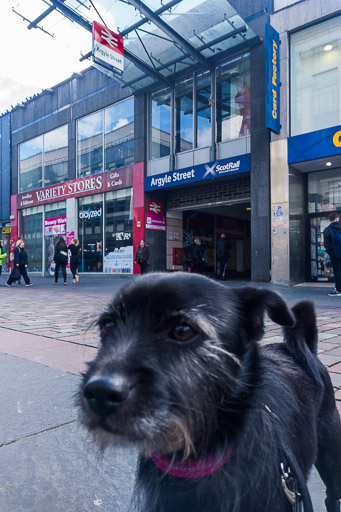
x,y
190,468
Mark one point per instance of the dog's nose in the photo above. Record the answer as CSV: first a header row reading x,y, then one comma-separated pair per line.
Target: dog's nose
x,y
105,393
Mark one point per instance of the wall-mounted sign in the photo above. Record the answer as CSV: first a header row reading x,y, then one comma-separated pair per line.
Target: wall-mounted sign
x,y
107,48
217,169
55,226
319,144
90,214
155,222
272,79
154,207
112,180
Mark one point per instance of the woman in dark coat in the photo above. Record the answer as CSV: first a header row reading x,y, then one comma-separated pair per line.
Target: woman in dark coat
x,y
60,259
142,256
20,262
75,251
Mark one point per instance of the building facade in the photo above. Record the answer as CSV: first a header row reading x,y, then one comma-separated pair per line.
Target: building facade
x,y
189,158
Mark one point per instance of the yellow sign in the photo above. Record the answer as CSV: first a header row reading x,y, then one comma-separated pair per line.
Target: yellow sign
x,y
138,224
337,139
6,230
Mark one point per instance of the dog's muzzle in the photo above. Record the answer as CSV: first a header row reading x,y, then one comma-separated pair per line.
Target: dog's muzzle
x,y
107,393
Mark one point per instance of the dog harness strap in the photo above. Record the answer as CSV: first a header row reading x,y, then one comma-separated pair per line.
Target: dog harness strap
x,y
191,468
292,483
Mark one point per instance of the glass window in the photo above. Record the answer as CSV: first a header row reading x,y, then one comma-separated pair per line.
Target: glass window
x,y
31,230
119,135
184,116
90,230
203,110
119,231
56,156
31,164
54,227
160,124
315,70
233,99
90,144
324,191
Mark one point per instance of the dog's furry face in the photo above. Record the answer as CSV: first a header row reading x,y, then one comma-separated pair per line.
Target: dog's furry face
x,y
176,351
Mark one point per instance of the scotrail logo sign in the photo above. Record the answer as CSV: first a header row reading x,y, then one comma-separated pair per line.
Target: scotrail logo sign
x,y
207,171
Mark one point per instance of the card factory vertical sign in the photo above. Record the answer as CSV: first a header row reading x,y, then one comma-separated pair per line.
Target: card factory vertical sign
x,y
272,79
107,48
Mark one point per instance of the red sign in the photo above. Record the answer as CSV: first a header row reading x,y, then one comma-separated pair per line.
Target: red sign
x,y
154,207
107,47
112,180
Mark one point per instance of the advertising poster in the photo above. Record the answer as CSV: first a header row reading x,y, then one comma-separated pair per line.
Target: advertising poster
x,y
55,226
120,261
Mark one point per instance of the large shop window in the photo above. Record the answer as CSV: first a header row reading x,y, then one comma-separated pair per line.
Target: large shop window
x,y
119,231
90,231
90,144
119,135
54,227
324,191
160,123
315,72
30,229
43,160
184,116
233,99
203,95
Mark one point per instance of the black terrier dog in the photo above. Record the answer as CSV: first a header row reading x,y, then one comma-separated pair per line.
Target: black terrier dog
x,y
222,424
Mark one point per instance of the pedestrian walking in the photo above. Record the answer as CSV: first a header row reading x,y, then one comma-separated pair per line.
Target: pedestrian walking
x,y
75,251
20,263
222,254
3,255
60,259
332,244
142,256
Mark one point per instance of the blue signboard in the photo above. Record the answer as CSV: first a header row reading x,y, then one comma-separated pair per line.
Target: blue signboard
x,y
218,169
272,79
319,144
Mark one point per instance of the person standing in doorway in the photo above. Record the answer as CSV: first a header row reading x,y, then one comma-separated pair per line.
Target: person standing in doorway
x,y
21,262
142,256
60,259
222,255
75,250
197,255
332,244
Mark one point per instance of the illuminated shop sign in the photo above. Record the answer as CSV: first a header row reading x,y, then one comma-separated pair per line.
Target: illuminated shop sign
x,y
272,79
217,169
112,180
90,214
319,144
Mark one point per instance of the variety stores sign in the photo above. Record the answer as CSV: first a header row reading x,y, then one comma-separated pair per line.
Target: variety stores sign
x,y
113,180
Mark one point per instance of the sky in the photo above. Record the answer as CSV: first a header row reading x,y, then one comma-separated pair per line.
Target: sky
x,y
31,60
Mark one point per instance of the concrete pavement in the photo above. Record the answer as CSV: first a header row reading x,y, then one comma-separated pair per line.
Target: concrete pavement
x,y
47,462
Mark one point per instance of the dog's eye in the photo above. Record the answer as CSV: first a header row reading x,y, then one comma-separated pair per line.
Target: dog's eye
x,y
108,329
182,332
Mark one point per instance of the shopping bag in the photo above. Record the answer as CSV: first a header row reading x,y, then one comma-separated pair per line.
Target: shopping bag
x,y
16,275
52,270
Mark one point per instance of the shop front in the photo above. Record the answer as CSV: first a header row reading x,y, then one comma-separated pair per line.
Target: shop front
x,y
97,210
315,183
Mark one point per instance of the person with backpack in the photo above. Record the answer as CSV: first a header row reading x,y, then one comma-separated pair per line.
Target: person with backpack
x,y
332,244
60,259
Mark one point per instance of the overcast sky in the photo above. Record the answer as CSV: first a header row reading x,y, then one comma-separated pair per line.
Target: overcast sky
x,y
31,60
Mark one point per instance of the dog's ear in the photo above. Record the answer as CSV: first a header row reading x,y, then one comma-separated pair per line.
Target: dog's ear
x,y
255,301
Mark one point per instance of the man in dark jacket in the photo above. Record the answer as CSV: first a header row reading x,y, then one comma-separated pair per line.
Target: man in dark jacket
x,y
142,256
222,255
20,261
197,255
329,236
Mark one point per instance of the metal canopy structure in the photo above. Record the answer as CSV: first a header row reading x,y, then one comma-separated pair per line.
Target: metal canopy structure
x,y
168,41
